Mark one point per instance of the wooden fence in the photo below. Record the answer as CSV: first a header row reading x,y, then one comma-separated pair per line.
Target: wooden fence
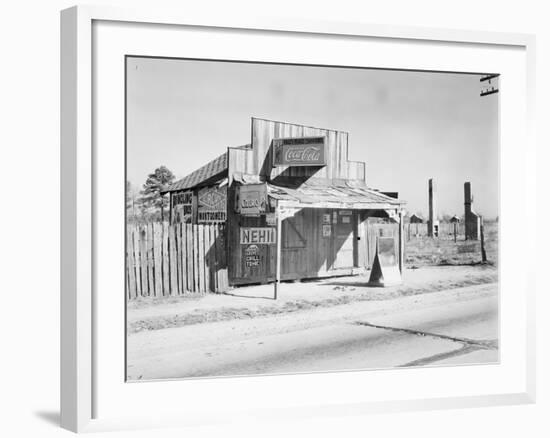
x,y
446,230
170,260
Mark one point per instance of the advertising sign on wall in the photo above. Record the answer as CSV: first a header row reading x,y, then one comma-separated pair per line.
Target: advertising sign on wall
x,y
259,236
252,256
182,206
212,203
252,199
299,151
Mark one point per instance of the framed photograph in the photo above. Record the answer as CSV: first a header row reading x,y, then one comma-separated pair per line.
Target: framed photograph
x,y
284,219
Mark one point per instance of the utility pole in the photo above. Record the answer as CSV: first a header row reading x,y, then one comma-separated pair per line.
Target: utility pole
x,y
489,84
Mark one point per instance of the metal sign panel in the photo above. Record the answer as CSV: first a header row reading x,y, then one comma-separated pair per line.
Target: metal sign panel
x,y
212,203
258,236
252,256
299,151
182,206
270,219
252,199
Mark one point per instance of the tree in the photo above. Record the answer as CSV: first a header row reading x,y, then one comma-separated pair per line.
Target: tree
x,y
131,196
151,197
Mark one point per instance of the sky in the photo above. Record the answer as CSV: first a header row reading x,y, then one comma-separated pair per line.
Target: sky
x,y
407,126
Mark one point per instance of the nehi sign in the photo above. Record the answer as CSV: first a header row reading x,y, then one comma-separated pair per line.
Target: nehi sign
x,y
264,235
301,151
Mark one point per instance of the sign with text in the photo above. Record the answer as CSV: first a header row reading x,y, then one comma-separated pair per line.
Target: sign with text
x,y
252,256
252,199
212,205
258,236
270,219
182,207
299,151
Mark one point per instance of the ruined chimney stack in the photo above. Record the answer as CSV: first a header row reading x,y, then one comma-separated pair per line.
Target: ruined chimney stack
x,y
472,221
467,197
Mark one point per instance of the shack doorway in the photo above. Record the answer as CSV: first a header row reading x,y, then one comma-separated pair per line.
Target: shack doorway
x,y
343,241
294,247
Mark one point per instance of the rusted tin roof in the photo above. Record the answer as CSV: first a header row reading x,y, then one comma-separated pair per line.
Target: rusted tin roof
x,y
335,196
209,173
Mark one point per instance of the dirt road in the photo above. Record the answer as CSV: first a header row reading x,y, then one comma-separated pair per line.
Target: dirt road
x,y
458,325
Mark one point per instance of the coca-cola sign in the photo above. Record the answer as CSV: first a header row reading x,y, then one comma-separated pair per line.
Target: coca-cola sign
x,y
299,151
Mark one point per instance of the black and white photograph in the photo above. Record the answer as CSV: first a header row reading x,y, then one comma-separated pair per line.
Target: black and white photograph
x,y
288,218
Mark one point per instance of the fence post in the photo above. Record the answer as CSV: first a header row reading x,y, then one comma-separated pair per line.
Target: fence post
x,y
455,227
482,236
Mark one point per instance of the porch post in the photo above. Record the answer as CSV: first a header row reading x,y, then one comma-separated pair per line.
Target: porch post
x,y
278,254
401,241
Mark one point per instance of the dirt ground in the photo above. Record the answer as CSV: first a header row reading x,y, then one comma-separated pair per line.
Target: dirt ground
x,y
453,326
257,301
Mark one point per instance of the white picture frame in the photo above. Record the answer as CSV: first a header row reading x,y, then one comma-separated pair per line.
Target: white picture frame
x,y
79,201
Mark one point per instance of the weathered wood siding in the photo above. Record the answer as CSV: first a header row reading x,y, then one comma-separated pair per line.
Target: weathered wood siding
x,y
258,160
306,253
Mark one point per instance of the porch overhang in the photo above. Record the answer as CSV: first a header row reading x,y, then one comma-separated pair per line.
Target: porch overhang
x,y
333,197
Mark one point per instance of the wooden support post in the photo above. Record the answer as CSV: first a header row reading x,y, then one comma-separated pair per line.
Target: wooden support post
x,y
401,241
278,254
482,236
455,229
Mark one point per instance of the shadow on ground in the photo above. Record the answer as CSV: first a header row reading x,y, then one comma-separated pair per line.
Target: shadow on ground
x,y
51,417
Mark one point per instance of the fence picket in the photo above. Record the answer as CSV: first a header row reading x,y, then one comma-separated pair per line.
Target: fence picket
x,y
173,264
143,260
137,262
189,256
177,229
196,274
208,258
182,257
130,264
165,261
157,250
150,260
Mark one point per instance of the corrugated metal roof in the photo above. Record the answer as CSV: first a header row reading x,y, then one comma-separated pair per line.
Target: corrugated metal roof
x,y
344,195
210,171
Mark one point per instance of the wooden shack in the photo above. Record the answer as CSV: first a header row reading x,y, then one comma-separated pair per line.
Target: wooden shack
x,y
292,205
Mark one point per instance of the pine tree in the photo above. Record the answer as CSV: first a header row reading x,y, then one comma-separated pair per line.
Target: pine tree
x,y
151,197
